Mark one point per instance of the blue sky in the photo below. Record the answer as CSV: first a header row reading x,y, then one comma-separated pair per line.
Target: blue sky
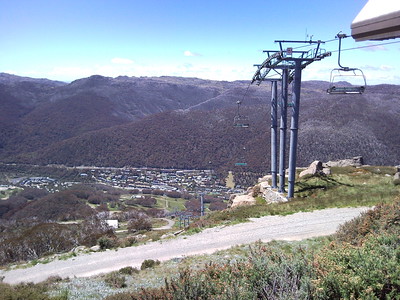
x,y
210,39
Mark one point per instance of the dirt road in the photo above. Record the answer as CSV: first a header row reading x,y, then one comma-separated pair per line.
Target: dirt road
x,y
293,227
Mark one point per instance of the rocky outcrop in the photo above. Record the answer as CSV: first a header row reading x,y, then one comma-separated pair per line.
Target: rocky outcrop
x,y
269,194
356,161
396,177
316,168
241,200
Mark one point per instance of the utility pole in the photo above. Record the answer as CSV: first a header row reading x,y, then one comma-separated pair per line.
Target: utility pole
x,y
202,204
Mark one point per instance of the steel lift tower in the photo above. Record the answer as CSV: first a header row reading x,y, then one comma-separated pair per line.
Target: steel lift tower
x,y
286,65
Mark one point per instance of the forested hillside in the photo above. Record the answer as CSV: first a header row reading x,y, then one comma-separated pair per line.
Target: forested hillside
x,y
186,123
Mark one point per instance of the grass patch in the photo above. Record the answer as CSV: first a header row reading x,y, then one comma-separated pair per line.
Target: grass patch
x,y
156,223
169,203
347,187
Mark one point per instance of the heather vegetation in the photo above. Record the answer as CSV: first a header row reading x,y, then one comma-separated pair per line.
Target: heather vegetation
x,y
35,224
329,269
323,268
361,261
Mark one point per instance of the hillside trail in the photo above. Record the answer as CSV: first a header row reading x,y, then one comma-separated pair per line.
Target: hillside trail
x,y
291,227
170,224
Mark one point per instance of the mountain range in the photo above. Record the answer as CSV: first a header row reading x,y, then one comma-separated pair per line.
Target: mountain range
x,y
174,122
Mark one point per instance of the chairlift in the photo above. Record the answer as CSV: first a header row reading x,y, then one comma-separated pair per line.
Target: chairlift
x,y
240,120
345,80
242,162
349,81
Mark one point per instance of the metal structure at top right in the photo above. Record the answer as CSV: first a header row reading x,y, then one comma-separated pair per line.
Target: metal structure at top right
x,y
346,80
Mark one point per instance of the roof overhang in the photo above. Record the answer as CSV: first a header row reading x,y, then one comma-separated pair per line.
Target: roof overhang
x,y
378,20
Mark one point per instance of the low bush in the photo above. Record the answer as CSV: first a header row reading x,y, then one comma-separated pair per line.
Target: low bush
x,y
128,271
366,269
27,291
146,201
217,206
115,280
372,271
140,222
127,242
384,218
149,263
106,242
266,274
29,243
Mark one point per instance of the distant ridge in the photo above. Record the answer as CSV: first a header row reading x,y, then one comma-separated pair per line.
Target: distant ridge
x,y
185,122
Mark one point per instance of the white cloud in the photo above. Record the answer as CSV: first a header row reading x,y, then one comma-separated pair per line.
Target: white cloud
x,y
190,53
69,73
122,61
373,48
386,67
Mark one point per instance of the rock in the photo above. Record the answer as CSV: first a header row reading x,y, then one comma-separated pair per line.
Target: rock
x,y
141,236
240,200
327,171
167,235
314,169
271,196
79,249
266,178
396,179
264,186
356,161
95,248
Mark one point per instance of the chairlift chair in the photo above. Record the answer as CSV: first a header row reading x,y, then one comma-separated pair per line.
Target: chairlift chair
x,y
355,76
241,121
242,162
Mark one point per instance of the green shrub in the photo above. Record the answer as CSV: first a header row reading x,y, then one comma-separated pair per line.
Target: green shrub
x,y
128,271
115,280
149,263
106,243
384,218
344,271
140,222
127,242
266,274
26,291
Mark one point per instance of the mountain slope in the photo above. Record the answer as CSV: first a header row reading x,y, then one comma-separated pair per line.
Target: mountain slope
x,y
187,123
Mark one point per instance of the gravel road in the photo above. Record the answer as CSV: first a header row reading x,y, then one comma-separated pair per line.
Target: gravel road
x,y
292,227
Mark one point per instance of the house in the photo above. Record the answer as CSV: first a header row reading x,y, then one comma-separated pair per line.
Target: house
x,y
112,223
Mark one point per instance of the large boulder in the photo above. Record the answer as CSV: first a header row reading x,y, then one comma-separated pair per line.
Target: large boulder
x,y
356,161
316,168
241,200
396,178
